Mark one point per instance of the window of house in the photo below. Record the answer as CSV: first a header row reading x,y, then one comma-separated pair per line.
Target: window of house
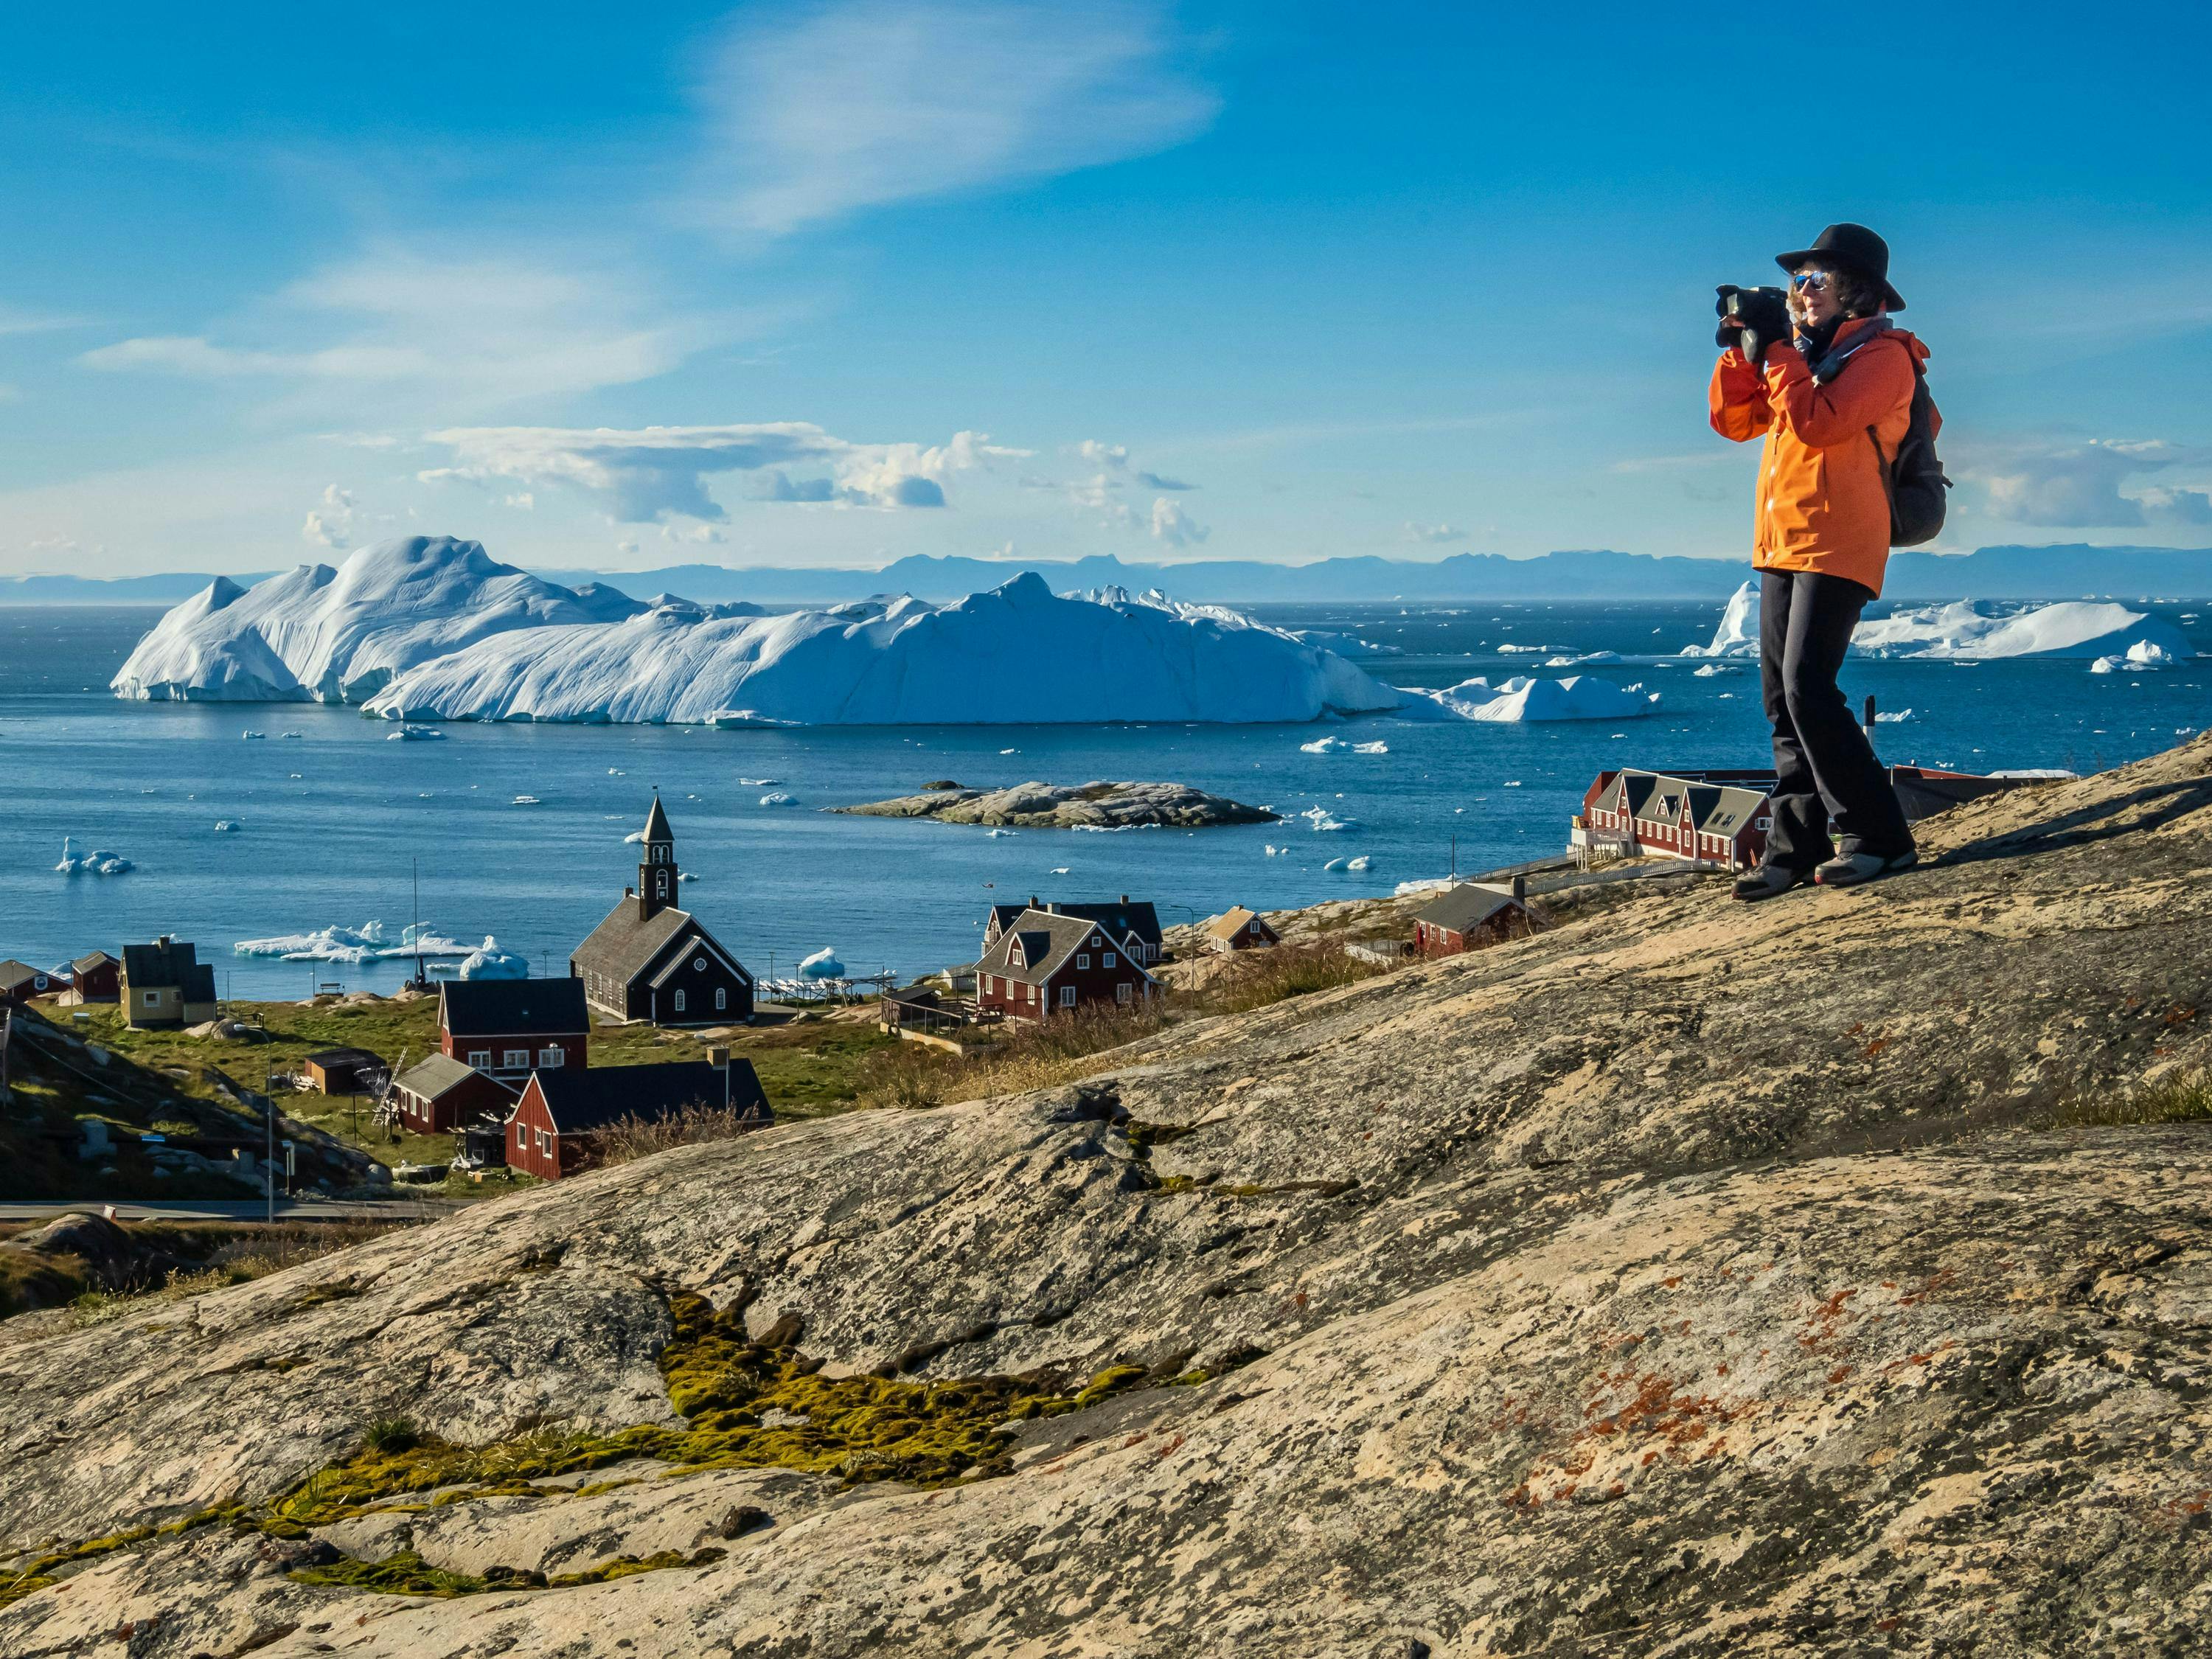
x,y
698,964
679,1002
480,1057
1083,959
1067,996
721,999
153,999
1106,961
1122,992
517,1058
550,1058
544,1141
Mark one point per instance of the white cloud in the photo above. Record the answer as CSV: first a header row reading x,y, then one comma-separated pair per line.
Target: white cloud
x,y
659,472
1171,524
332,524
476,329
1434,532
522,499
856,103
2076,485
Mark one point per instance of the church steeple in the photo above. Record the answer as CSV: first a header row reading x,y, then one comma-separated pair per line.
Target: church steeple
x,y
656,867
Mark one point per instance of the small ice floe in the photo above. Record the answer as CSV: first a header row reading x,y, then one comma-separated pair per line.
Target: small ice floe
x,y
1377,748
294,776
1275,852
616,772
1360,863
777,798
1512,783
424,794
1057,870
2183,731
758,783
252,737
1894,716
1712,670
634,834
527,800
488,961
1320,819
228,826
822,965
291,734
1010,752
94,863
994,835
1521,650
1321,746
417,734
1333,863
686,876
1427,884
1725,697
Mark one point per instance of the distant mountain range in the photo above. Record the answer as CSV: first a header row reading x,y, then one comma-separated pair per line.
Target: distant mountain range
x,y
2065,572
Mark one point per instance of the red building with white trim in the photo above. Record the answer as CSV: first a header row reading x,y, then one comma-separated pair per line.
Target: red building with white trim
x,y
1046,962
510,1027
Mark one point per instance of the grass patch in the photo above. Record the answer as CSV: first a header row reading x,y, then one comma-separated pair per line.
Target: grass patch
x,y
2177,1097
627,1139
1259,979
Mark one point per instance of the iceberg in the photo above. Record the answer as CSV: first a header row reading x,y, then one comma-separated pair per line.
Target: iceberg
x,y
322,635
1712,669
2144,653
417,734
228,826
1321,746
1376,748
354,944
432,627
94,863
1977,630
488,961
779,799
822,965
1577,697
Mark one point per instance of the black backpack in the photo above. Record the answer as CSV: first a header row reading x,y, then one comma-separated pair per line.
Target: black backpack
x,y
1913,476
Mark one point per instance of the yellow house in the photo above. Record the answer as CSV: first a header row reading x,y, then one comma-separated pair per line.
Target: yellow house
x,y
165,983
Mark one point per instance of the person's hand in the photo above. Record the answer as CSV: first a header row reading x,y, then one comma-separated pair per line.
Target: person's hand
x,y
1763,319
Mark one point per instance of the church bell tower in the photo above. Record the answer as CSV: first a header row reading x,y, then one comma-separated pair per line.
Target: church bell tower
x,y
656,868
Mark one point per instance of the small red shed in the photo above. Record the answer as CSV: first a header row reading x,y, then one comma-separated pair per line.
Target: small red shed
x,y
561,1113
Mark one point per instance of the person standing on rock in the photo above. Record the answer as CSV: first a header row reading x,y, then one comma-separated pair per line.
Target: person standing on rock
x,y
1829,383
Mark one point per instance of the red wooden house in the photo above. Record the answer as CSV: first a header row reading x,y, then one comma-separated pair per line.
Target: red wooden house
x,y
561,1113
1046,962
20,982
439,1094
1240,929
97,977
1719,816
513,1027
1469,916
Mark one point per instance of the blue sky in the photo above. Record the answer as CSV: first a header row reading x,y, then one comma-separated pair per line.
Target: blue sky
x,y
835,282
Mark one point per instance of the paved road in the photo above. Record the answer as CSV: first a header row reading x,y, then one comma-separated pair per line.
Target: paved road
x,y
237,1209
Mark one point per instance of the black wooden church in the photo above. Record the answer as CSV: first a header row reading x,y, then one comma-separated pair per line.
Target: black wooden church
x,y
652,961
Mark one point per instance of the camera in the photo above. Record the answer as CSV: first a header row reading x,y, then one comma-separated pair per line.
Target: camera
x,y
1759,316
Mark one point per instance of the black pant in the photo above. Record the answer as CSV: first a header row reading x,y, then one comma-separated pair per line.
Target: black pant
x,y
1825,770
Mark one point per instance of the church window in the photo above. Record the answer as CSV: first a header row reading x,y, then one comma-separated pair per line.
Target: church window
x,y
699,964
721,999
679,1002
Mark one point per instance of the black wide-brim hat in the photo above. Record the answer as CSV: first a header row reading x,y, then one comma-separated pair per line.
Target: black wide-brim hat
x,y
1853,245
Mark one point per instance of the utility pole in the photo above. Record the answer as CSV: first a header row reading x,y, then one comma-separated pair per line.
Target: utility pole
x,y
1454,855
269,1141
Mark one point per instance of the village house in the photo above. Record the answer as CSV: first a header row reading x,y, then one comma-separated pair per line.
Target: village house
x,y
97,977
1053,962
651,961
340,1071
1470,915
440,1095
165,983
1136,927
562,1114
1240,929
20,982
513,1027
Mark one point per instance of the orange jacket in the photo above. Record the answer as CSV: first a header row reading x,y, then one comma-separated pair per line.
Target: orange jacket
x,y
1821,505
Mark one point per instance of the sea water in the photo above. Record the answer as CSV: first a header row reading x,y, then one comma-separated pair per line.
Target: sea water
x,y
336,824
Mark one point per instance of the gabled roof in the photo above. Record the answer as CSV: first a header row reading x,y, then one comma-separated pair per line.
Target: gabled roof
x,y
1233,921
85,964
701,940
1730,810
583,1098
13,973
329,1057
436,1076
1046,941
174,966
513,1008
1122,917
624,946
1462,908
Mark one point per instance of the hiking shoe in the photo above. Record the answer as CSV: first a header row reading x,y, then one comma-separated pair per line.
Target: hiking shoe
x,y
1854,869
1768,881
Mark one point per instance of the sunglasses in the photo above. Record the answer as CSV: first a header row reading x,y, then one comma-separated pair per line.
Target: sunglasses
x,y
1812,279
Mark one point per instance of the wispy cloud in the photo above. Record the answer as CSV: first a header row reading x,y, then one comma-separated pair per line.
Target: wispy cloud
x,y
817,112
661,472
1433,532
15,320
330,523
478,330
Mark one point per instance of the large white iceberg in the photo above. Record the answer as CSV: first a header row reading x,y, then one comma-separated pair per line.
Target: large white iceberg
x,y
488,961
363,944
1577,697
1015,654
1976,630
316,633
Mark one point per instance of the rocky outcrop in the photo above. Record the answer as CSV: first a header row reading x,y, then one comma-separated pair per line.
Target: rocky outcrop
x,y
1073,806
1689,1278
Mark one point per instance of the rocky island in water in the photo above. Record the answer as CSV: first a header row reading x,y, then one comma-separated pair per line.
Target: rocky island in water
x,y
1096,806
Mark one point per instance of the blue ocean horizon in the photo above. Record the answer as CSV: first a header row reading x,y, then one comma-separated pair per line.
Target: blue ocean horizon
x,y
334,825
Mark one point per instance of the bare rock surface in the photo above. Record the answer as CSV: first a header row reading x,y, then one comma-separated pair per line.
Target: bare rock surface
x,y
1692,1278
1094,806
